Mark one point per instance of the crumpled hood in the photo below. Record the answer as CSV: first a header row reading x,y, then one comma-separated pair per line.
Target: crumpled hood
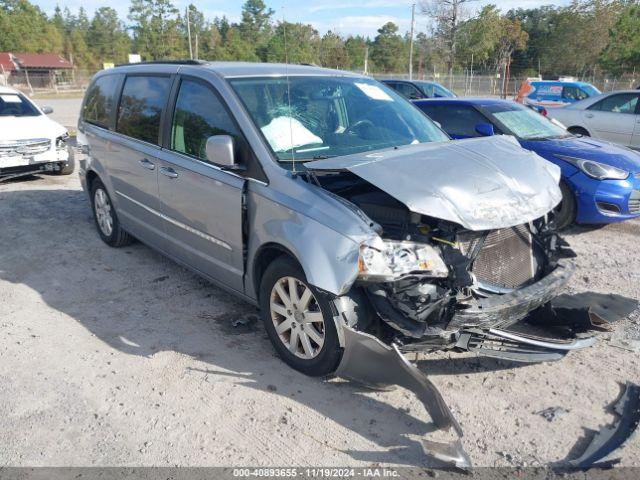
x,y
479,183
589,149
25,128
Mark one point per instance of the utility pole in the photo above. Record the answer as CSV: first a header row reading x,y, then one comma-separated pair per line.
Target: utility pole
x,y
197,46
413,20
539,69
366,59
189,35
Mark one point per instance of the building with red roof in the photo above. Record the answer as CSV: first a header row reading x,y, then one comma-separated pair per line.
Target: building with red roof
x,y
35,70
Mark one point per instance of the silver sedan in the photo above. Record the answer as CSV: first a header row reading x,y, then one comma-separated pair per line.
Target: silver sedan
x,y
613,116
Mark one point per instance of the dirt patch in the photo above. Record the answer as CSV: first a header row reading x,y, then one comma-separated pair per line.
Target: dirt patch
x,y
121,357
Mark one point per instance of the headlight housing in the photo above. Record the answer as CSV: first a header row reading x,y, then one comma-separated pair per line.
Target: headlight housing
x,y
385,260
61,141
596,170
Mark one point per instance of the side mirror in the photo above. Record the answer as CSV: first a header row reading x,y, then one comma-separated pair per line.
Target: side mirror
x,y
485,129
220,151
438,124
47,110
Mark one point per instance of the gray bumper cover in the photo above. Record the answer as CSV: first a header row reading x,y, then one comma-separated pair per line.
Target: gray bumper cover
x,y
368,361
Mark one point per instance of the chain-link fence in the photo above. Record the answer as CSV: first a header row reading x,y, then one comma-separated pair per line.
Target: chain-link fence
x,y
468,84
471,84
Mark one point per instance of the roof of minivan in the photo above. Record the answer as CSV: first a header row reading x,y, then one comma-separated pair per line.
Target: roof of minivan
x,y
246,69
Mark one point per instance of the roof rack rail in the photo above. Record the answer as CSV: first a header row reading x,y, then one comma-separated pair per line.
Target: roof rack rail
x,y
165,62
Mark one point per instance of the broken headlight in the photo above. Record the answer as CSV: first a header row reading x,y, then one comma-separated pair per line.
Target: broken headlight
x,y
387,260
597,170
61,141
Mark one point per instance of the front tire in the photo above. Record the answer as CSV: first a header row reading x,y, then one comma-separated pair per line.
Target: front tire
x,y
298,319
106,218
565,212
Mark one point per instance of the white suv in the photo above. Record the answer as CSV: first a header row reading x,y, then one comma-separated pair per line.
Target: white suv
x,y
30,141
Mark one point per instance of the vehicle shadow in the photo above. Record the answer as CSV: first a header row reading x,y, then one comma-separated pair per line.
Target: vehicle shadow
x,y
140,303
442,365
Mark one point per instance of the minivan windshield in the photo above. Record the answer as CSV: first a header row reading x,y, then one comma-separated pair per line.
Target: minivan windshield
x,y
524,123
313,117
16,105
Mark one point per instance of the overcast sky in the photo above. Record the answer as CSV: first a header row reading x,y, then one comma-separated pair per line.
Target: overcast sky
x,y
362,17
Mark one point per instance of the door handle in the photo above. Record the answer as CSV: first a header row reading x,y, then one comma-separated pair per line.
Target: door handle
x,y
589,115
147,164
169,172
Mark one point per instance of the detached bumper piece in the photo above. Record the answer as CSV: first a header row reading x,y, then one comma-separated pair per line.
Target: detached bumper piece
x,y
368,361
614,436
566,323
518,347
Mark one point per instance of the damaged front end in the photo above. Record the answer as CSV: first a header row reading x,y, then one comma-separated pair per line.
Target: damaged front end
x,y
465,257
425,282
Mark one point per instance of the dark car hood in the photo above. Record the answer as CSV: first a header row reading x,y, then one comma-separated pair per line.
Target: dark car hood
x,y
588,149
480,183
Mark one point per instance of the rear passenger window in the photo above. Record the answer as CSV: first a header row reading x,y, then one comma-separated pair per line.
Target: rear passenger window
x,y
101,101
143,98
199,114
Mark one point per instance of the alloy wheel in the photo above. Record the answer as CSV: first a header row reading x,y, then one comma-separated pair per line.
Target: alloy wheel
x,y
297,317
102,206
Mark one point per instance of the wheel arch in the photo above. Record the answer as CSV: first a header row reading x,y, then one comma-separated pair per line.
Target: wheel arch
x,y
91,177
264,256
578,128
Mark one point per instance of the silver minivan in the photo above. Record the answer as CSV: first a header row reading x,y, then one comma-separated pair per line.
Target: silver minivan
x,y
326,199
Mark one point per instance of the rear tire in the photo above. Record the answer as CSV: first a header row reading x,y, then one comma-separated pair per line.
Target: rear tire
x,y
578,131
298,319
565,212
106,218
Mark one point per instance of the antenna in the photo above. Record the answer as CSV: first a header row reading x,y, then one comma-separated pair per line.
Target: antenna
x,y
286,73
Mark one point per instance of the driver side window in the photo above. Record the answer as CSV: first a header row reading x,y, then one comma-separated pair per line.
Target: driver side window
x,y
199,114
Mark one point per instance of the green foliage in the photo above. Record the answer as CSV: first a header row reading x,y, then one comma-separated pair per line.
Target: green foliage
x,y
578,39
255,26
156,29
106,38
302,44
622,52
25,28
388,49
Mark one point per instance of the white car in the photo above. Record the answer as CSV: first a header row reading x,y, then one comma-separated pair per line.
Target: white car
x,y
30,142
611,116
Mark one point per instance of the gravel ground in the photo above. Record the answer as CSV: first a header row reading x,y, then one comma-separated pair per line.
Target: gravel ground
x,y
65,110
121,357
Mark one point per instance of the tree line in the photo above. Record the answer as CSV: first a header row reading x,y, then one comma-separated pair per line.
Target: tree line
x,y
583,38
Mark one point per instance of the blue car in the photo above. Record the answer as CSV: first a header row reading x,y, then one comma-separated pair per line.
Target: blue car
x,y
417,89
600,181
554,93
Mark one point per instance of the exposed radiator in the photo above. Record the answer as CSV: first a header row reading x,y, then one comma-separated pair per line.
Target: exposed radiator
x,y
506,259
